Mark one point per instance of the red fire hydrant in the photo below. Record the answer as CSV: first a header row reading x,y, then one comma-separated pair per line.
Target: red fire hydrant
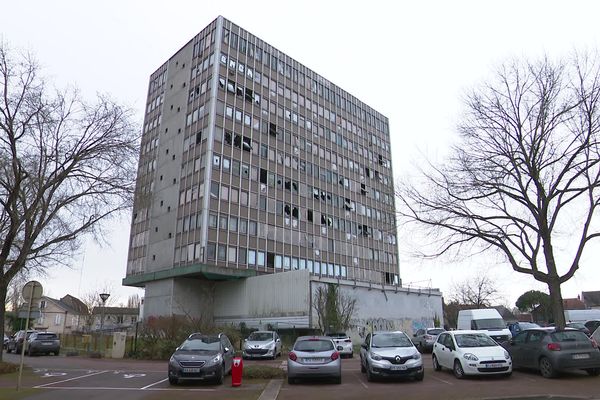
x,y
237,367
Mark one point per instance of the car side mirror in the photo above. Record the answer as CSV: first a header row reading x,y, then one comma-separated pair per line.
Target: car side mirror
x,y
414,335
245,340
278,340
364,346
226,349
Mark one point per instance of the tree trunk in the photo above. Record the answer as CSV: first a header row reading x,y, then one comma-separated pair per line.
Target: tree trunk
x,y
3,292
556,303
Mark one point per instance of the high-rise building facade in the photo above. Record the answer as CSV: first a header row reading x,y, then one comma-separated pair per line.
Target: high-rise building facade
x,y
253,164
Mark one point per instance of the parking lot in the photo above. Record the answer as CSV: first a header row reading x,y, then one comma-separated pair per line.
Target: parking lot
x,y
64,378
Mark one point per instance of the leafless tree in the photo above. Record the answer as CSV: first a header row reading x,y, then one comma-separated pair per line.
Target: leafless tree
x,y
65,166
478,292
524,178
92,300
334,309
133,301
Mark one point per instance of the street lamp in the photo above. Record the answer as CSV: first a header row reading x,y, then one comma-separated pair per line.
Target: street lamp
x,y
103,297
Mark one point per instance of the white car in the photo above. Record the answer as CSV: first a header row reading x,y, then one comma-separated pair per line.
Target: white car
x,y
341,339
470,353
262,344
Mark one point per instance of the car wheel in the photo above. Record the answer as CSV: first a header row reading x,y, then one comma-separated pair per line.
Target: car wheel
x,y
338,380
221,376
419,377
173,380
370,376
458,370
546,368
436,364
291,380
593,371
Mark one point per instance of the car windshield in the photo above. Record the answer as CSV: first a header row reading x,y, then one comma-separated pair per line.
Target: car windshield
x,y
436,331
313,345
569,336
576,325
528,325
260,336
201,343
474,340
491,323
46,336
391,340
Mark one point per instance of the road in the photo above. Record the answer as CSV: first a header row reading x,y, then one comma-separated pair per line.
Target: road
x,y
65,378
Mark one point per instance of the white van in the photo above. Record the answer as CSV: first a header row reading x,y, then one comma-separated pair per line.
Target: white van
x,y
581,315
486,320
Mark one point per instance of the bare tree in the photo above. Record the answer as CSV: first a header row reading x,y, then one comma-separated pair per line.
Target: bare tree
x,y
92,300
133,301
65,166
478,292
334,310
524,179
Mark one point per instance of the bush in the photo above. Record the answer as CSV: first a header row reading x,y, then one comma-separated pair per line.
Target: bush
x,y
262,372
8,368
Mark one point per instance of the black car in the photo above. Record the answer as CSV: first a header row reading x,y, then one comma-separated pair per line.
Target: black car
x,y
201,357
43,343
592,325
15,343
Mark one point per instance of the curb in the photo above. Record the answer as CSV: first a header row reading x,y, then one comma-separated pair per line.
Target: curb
x,y
272,390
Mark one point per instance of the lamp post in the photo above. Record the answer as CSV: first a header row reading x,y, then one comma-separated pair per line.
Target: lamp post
x,y
103,297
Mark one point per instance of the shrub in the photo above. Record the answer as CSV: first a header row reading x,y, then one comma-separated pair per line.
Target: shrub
x,y
8,368
262,372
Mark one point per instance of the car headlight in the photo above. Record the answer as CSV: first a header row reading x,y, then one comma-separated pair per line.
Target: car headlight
x,y
173,360
470,357
375,356
416,356
506,355
216,360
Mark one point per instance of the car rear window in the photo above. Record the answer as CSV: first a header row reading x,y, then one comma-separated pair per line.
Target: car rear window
x,y
314,345
569,336
434,331
260,336
47,336
339,335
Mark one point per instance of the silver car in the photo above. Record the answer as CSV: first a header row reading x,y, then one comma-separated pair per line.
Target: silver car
x,y
314,357
390,354
425,338
343,340
262,344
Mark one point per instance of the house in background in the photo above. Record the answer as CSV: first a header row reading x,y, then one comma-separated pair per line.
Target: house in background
x,y
66,315
114,318
591,299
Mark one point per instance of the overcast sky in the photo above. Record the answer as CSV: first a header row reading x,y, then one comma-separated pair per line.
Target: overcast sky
x,y
412,61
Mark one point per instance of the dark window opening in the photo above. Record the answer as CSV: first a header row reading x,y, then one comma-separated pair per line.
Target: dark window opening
x,y
295,212
247,143
270,260
309,215
287,209
198,137
272,129
363,189
263,175
228,138
249,95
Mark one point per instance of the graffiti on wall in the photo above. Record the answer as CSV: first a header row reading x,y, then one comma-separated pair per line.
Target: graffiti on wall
x,y
408,325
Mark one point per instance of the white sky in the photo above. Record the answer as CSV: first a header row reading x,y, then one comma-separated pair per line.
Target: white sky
x,y
410,60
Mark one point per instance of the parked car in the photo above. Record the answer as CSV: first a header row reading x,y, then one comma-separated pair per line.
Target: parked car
x,y
487,320
314,357
43,343
389,354
580,327
15,343
343,340
425,338
468,352
201,357
592,325
262,344
516,327
5,343
596,337
551,350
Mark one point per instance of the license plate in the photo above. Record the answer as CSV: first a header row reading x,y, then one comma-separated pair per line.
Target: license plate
x,y
493,365
398,368
580,356
46,343
313,360
191,370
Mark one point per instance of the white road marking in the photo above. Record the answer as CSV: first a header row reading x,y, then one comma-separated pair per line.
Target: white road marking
x,y
52,374
122,388
155,383
441,380
70,379
360,380
129,376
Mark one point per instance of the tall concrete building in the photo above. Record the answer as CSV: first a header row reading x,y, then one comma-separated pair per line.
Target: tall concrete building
x,y
253,165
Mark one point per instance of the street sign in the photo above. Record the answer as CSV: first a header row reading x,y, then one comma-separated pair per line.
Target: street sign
x,y
35,313
32,291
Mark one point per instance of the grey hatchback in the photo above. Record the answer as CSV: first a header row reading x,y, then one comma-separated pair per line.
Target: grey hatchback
x,y
201,357
552,350
43,343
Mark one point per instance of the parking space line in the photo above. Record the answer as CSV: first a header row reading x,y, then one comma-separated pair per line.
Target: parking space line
x,y
441,380
127,388
70,379
360,380
155,383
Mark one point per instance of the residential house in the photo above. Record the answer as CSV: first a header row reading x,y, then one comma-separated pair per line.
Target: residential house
x,y
66,315
591,299
114,318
